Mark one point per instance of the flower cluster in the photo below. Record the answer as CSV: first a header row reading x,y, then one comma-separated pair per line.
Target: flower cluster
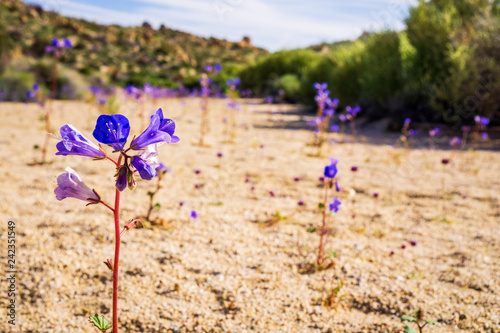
x,y
233,83
56,46
113,130
205,82
215,68
481,121
330,173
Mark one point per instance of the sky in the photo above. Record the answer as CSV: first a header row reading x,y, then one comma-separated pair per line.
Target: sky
x,y
271,24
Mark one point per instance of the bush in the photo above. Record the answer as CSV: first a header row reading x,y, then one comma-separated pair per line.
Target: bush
x,y
262,75
290,84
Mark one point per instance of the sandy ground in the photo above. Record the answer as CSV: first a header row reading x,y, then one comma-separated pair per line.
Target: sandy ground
x,y
236,268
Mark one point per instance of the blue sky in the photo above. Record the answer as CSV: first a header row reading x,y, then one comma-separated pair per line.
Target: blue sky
x,y
272,24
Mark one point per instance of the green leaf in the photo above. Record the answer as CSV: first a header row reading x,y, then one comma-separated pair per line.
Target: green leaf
x,y
36,147
158,206
408,318
432,322
311,230
332,253
409,329
321,205
150,193
100,322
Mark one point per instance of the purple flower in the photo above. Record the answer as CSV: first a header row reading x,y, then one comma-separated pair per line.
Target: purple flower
x,y
321,86
55,43
413,132
145,170
122,178
482,121
300,202
247,180
445,161
167,125
434,132
197,171
455,142
252,188
271,193
181,203
329,112
484,136
67,43
208,68
217,67
36,87
74,143
94,90
70,185
337,186
219,154
353,111
269,99
162,169
296,179
391,253
334,128
465,128
413,242
407,121
334,206
354,168
194,215
332,103
112,130
331,170
30,94
233,83
321,179
403,246
151,135
342,118
375,194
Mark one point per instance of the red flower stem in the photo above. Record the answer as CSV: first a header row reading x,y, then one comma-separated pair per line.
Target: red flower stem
x,y
105,204
112,160
319,259
116,213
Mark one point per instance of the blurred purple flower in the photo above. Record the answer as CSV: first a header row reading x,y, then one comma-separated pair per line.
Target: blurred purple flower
x,y
334,128
194,215
331,170
434,132
455,142
334,206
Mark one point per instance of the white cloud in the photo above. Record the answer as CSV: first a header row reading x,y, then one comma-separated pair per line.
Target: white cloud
x,y
273,24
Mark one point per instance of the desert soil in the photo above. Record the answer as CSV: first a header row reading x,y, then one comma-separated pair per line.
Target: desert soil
x,y
237,267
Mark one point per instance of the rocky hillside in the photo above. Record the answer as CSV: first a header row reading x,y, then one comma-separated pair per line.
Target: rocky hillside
x,y
123,54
